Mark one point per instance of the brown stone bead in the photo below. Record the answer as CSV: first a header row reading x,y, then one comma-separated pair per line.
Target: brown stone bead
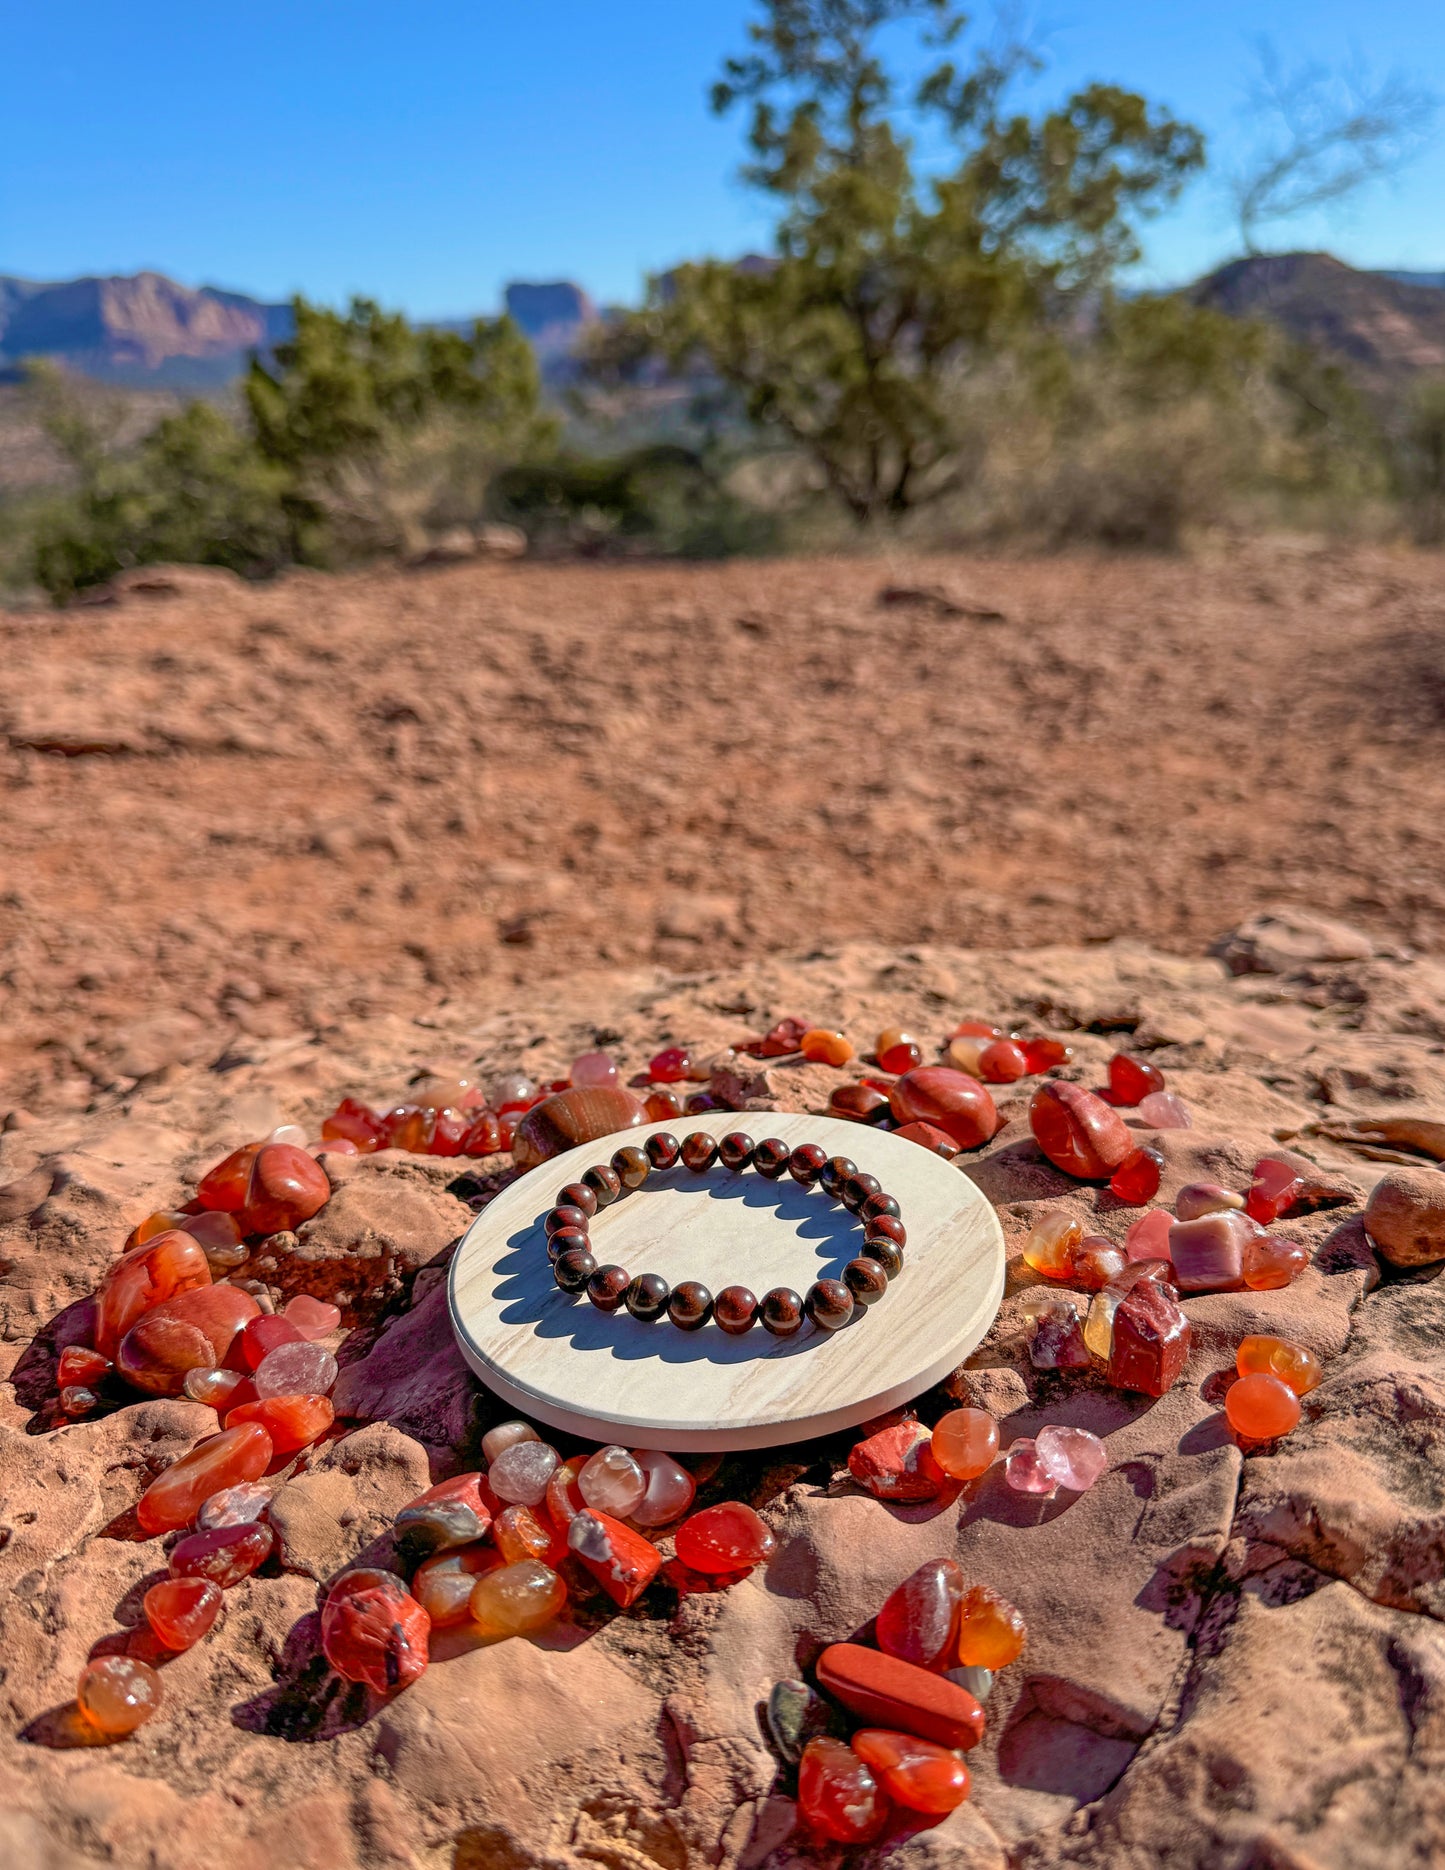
x,y
690,1306
770,1158
879,1204
884,1227
829,1304
569,1118
699,1152
735,1150
860,1103
834,1172
735,1310
663,1150
567,1216
563,1242
781,1312
647,1297
857,1189
888,1254
605,1183
573,1269
578,1195
805,1164
631,1167
607,1287
865,1279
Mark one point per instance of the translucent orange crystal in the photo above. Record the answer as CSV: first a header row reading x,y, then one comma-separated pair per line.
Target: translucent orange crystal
x,y
1278,1357
117,1694
918,1774
1261,1407
142,1278
965,1442
517,1600
990,1631
237,1454
182,1610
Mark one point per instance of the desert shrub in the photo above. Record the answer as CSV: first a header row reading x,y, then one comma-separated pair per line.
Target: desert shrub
x,y
1420,461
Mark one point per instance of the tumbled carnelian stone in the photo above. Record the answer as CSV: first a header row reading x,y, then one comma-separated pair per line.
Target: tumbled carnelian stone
x,y
838,1797
1002,1062
182,1610
192,1331
1261,1407
518,1599
443,1584
117,1694
224,1554
990,1631
726,1537
1045,1054
897,1050
519,1534
1131,1079
263,1335
564,1495
1271,1262
225,1185
143,1278
79,1365
1279,1357
356,1123
1078,1132
965,1442
374,1631
620,1559
859,1103
221,1389
174,1498
919,1616
287,1186
949,1100
928,1136
1052,1243
484,1138
292,1422
164,1221
670,1066
918,1774
1136,1180
820,1046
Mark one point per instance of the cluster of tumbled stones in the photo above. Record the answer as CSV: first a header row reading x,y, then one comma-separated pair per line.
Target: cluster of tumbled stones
x,y
830,1303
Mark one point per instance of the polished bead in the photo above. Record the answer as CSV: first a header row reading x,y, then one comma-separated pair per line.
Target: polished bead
x,y
234,1506
668,1489
888,1254
631,1166
865,1279
929,1137
292,1421
821,1046
919,1775
520,1473
838,1797
517,1599
1148,1237
621,1560
647,1297
313,1318
770,1158
897,1050
829,1304
781,1312
991,1632
578,1195
663,1150
735,1310
860,1103
856,1190
224,1186
1271,1262
690,1306
192,1331
879,1206
571,1118
563,1216
670,1066
948,1100
965,1442
919,1617
1045,1054
236,1454
605,1183
735,1150
296,1369
1131,1079
796,1715
374,1631
117,1694
568,1240
221,1389
612,1482
1053,1241
1278,1357
1098,1261
1136,1180
699,1151
506,1435
224,1554
260,1336
1150,1341
357,1123
181,1610
443,1585
286,1187
724,1538
805,1164
1273,1190
1261,1406
146,1276
1162,1110
429,1526
573,1269
1079,1132
1024,1472
897,1463
1002,1061
519,1534
1072,1456
884,1691
834,1173
594,1069
1056,1335
1208,1254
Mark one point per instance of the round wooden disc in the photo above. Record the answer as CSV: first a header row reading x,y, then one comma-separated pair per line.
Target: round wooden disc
x,y
607,1377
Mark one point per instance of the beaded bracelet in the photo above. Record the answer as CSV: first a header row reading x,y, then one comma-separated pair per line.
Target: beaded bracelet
x,y
830,1303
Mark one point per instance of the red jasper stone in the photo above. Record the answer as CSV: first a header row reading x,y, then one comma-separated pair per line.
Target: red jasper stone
x,y
1151,1339
224,1186
145,1277
838,1797
1131,1079
287,1187
885,1692
292,1422
79,1365
225,1554
224,1460
1042,1055
859,1103
949,1100
354,1122
181,1610
374,1631
621,1560
192,1331
897,1463
929,1136
917,1774
263,1334
670,1066
1136,1180
728,1537
1078,1132
1003,1062
1275,1186
919,1618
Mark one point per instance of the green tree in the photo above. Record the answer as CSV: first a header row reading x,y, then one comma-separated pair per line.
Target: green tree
x,y
891,278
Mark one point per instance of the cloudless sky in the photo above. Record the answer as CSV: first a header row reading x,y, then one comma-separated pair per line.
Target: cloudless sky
x,y
429,151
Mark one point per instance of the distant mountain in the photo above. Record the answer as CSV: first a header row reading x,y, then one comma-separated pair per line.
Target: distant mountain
x,y
1435,280
1383,328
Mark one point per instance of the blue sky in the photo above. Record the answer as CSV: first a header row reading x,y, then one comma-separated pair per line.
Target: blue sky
x,y
427,152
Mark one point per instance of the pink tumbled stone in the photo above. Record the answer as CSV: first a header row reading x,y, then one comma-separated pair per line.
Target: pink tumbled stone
x,y
520,1473
1197,1199
243,1505
1023,1470
1163,1110
670,1488
1072,1457
313,1318
1208,1254
296,1369
1148,1238
593,1069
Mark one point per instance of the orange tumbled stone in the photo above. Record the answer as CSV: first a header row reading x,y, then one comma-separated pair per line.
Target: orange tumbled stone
x,y
1002,1062
517,1600
1261,1406
949,1100
117,1694
286,1187
443,1584
918,1774
192,1331
1270,1261
175,1497
897,1050
619,1558
838,1797
1053,1241
990,1631
1278,1357
822,1047
165,1221
143,1278
182,1610
80,1366
1078,1132
965,1442
225,1185
355,1122
292,1422
520,1533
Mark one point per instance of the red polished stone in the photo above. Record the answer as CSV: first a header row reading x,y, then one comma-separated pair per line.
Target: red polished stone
x,y
292,1422
484,1138
1136,1180
859,1103
621,1560
224,1460
727,1537
224,1186
79,1365
670,1066
1271,1262
1151,1339
374,1631
949,1100
357,1123
287,1187
838,1797
897,1463
1132,1078
224,1554
885,1692
450,1132
222,1389
919,1618
1098,1261
220,1236
1003,1061
662,1103
192,1331
784,1038
262,1335
143,1278
1275,1186
1045,1054
117,1694
929,1136
409,1127
918,1774
897,1051
182,1610
1078,1132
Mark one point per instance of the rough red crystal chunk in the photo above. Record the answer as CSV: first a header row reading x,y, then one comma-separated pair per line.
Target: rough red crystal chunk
x,y
182,1610
899,1695
621,1560
224,1554
724,1538
144,1278
1131,1079
1136,1180
1151,1339
838,1797
287,1186
374,1631
948,1100
1275,1186
919,1618
173,1500
1078,1132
